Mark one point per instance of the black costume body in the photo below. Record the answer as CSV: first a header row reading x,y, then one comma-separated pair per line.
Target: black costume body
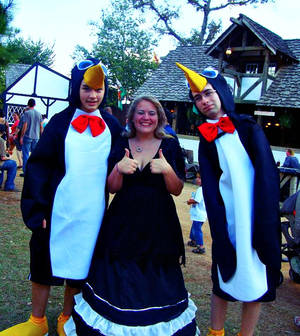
x,y
135,280
266,221
45,170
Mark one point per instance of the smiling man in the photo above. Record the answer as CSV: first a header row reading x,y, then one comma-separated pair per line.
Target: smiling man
x,y
63,198
241,192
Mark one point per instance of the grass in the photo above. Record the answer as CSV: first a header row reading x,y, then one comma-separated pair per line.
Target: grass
x,y
15,290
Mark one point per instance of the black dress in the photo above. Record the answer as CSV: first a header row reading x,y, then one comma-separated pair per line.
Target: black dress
x,y
135,285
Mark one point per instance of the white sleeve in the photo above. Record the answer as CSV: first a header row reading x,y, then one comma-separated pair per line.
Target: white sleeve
x,y
198,195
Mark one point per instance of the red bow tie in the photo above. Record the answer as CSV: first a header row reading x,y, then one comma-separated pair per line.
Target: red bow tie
x,y
210,130
97,124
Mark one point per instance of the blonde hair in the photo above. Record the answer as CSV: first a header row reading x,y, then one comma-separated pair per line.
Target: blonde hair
x,y
292,153
159,131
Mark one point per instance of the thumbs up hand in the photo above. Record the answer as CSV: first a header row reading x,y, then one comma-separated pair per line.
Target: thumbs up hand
x,y
127,165
161,165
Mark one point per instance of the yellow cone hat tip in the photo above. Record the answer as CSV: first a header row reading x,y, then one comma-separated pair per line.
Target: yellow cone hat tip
x,y
196,81
94,77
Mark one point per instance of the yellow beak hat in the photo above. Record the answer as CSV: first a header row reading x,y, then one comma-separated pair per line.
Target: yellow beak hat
x,y
197,82
94,77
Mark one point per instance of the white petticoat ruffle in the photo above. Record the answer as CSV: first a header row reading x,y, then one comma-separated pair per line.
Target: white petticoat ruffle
x,y
110,328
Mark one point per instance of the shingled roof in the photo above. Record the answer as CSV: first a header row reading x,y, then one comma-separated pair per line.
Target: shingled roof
x,y
13,72
284,91
167,82
271,40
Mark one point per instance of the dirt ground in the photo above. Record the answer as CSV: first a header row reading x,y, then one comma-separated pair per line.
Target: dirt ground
x,y
276,317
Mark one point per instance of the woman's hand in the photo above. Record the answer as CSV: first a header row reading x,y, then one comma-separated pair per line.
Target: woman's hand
x,y
44,224
161,165
127,165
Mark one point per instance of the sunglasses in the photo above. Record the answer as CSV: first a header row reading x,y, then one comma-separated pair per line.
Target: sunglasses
x,y
85,64
209,73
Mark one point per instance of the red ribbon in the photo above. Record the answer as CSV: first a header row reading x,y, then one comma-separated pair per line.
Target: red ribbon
x,y
97,124
210,130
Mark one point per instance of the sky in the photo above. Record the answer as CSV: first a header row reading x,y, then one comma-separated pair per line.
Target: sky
x,y
66,23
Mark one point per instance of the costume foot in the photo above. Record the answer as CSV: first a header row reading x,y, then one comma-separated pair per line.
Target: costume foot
x,y
62,319
212,332
28,328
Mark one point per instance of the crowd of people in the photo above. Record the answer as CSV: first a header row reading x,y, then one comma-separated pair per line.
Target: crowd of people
x,y
121,264
22,135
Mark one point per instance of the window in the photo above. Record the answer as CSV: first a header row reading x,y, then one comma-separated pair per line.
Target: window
x,y
272,69
251,68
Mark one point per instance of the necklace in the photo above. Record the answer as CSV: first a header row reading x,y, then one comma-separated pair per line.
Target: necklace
x,y
139,148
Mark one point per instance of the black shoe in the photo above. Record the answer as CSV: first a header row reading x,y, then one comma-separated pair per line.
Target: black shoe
x,y
22,175
199,250
192,243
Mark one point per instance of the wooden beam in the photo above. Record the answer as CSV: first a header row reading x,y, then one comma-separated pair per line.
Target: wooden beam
x,y
265,72
251,88
253,48
220,61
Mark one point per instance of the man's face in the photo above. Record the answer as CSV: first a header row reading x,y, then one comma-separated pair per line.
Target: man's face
x,y
90,99
208,102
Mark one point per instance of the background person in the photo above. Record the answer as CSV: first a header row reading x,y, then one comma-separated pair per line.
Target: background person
x,y
6,164
241,191
291,161
135,284
45,120
198,217
63,198
14,139
31,130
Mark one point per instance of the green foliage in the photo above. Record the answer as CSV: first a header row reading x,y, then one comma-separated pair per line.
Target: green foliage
x,y
123,46
14,49
286,120
29,51
5,15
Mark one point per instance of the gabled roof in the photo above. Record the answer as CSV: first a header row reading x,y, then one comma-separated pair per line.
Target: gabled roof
x,y
271,40
13,72
284,91
167,83
49,88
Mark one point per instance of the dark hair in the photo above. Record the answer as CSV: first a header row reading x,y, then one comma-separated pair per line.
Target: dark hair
x,y
159,131
76,79
2,128
31,102
224,92
169,116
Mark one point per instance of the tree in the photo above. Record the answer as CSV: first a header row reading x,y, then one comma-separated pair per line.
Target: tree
x,y
29,51
123,46
5,19
14,49
166,17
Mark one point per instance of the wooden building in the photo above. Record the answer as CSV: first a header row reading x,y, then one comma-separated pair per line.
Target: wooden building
x,y
262,68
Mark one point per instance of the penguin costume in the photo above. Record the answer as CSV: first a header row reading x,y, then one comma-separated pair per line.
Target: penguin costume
x,y
240,184
65,183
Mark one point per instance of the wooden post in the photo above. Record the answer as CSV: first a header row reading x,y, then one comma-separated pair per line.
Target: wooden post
x,y
265,72
220,61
